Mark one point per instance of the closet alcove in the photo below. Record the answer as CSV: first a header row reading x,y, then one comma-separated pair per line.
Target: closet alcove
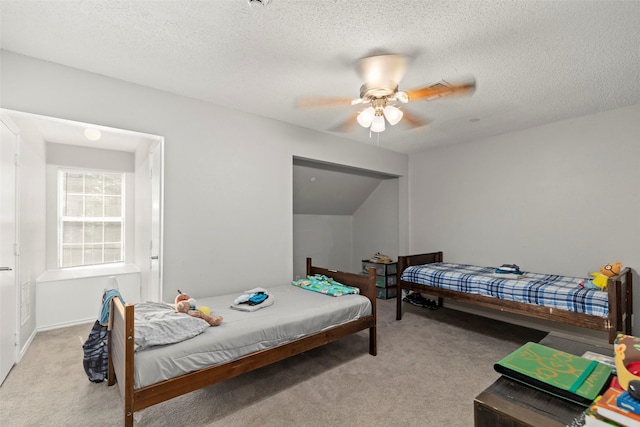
x,y
342,215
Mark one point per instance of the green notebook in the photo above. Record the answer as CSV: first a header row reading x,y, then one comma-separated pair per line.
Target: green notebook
x,y
562,374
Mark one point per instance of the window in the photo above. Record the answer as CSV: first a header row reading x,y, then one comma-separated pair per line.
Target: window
x,y
91,218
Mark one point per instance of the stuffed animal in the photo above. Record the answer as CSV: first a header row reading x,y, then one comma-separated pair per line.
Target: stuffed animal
x,y
601,278
612,269
185,304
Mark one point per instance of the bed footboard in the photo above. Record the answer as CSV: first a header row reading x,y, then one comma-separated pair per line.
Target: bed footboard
x,y
121,354
367,285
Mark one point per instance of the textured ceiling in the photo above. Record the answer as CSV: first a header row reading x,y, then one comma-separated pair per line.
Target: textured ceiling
x,y
534,61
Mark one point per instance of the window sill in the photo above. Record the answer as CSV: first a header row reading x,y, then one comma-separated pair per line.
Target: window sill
x,y
84,272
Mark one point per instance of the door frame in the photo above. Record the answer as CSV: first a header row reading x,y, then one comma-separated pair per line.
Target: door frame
x,y
13,128
156,165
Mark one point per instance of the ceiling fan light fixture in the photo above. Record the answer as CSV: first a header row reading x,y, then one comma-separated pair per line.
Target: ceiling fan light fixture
x,y
378,124
365,118
92,134
402,97
393,114
380,97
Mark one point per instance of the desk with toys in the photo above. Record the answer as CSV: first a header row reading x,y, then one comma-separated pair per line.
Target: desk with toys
x,y
620,403
510,403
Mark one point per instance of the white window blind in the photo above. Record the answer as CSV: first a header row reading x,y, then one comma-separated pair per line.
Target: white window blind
x,y
91,218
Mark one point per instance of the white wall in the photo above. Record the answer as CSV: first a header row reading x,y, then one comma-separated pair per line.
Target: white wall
x,y
327,239
82,300
375,224
562,198
228,188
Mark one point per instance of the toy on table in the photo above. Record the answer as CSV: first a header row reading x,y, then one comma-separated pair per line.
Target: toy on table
x,y
185,304
626,350
380,258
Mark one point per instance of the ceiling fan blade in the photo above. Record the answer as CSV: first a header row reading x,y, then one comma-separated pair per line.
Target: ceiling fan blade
x,y
379,70
348,124
310,102
441,89
412,120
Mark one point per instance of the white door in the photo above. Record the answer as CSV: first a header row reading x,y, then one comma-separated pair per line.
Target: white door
x,y
8,308
155,279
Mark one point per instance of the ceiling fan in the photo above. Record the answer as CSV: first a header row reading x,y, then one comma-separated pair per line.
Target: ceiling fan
x,y
382,75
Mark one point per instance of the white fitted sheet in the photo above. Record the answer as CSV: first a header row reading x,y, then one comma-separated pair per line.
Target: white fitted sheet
x,y
295,313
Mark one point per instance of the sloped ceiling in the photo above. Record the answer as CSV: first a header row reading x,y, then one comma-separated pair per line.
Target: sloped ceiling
x,y
326,189
535,62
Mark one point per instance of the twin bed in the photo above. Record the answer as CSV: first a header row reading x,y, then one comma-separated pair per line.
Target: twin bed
x,y
549,297
299,320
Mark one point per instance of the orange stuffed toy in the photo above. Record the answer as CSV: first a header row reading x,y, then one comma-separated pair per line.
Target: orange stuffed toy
x,y
601,279
612,269
185,304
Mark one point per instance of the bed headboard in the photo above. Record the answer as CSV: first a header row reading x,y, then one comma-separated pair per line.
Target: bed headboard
x,y
419,259
366,283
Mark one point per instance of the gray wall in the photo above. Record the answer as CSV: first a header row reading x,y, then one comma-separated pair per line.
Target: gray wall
x,y
375,224
327,239
562,198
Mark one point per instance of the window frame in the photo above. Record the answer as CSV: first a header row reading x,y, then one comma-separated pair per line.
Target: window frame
x,y
61,194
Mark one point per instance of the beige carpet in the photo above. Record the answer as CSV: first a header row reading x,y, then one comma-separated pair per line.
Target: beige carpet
x,y
429,368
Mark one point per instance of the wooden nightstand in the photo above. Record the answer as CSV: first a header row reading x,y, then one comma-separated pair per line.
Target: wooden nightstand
x,y
508,403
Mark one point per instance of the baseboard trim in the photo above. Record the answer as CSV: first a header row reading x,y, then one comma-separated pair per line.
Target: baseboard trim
x,y
26,345
65,324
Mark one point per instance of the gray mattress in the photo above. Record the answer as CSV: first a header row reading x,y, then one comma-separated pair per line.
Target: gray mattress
x,y
295,313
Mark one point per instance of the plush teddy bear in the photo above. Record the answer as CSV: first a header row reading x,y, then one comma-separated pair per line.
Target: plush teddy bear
x,y
601,278
185,304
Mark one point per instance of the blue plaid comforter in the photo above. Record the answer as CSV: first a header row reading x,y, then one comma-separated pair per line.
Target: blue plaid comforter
x,y
546,290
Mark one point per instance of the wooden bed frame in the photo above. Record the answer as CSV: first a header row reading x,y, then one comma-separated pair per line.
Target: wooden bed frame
x,y
121,354
620,290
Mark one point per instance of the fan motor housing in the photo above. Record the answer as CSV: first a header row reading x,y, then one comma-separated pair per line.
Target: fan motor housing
x,y
378,90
